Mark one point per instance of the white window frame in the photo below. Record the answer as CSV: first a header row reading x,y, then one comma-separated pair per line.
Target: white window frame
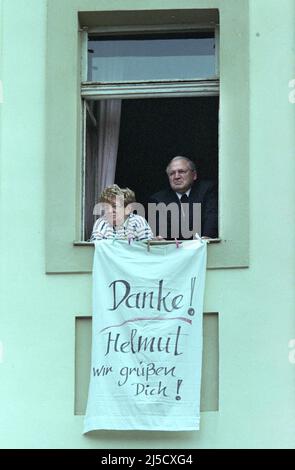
x,y
140,88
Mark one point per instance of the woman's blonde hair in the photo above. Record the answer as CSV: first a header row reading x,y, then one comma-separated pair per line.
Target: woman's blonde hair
x,y
113,191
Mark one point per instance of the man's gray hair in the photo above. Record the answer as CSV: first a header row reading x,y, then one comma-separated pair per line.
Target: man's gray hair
x,y
191,164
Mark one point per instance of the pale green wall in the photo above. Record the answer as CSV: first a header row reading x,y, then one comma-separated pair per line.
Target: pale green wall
x,y
255,305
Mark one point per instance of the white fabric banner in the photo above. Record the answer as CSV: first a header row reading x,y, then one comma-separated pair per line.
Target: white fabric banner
x,y
146,336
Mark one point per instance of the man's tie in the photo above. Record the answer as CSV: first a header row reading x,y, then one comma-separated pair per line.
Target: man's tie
x,y
184,198
184,213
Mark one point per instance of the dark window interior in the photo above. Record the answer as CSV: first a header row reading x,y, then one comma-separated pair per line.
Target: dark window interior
x,y
152,131
155,130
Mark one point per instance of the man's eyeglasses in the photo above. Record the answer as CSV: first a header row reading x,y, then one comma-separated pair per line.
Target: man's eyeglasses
x,y
180,172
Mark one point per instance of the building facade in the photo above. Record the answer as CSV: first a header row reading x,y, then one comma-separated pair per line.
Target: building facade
x,y
248,398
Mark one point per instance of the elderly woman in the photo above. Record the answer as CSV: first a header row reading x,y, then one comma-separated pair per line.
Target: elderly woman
x,y
118,221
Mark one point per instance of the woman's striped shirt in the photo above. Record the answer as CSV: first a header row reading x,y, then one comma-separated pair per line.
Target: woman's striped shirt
x,y
135,228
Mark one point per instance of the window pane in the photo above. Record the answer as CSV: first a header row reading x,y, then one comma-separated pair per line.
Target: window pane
x,y
157,58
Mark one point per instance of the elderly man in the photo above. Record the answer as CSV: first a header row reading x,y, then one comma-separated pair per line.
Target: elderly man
x,y
186,190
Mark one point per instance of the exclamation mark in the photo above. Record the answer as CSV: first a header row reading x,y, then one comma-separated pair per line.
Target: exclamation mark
x,y
179,382
191,310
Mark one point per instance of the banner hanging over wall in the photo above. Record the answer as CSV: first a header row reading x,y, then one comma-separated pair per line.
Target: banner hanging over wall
x,y
146,336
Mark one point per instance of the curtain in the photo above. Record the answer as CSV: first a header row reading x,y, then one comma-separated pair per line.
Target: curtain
x,y
108,141
101,156
90,177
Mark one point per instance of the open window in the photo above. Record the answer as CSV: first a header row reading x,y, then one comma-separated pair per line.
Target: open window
x,y
130,142
147,98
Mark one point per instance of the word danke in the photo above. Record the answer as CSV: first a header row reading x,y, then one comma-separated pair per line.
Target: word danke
x,y
154,299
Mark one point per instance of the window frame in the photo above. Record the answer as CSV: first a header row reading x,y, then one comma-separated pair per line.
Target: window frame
x,y
135,89
64,252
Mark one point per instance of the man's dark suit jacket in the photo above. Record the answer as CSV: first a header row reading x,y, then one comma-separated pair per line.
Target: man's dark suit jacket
x,y
203,192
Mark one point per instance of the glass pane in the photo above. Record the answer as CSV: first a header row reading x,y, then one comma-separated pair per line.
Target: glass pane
x,y
156,58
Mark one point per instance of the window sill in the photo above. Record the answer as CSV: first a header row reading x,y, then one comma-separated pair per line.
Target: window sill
x,y
217,254
80,243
